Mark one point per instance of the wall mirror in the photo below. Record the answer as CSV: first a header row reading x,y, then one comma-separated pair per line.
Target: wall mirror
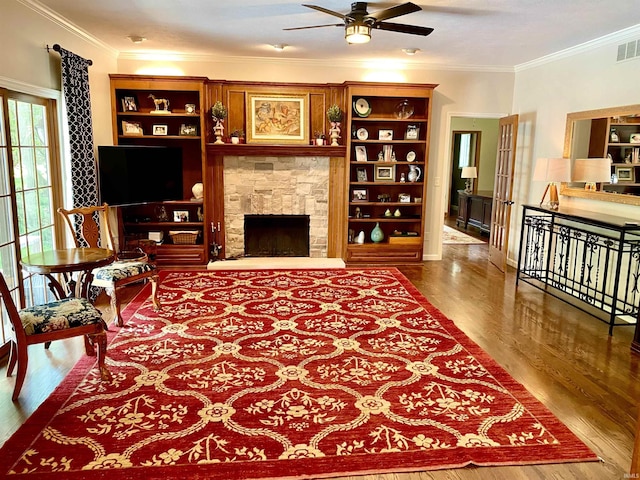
x,y
612,133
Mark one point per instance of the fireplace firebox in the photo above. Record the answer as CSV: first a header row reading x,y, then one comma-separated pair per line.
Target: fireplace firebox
x,y
276,235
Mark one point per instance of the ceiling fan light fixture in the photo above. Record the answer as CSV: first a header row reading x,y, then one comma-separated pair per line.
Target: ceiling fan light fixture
x,y
357,33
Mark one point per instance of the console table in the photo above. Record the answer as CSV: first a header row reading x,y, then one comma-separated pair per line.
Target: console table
x,y
475,209
592,257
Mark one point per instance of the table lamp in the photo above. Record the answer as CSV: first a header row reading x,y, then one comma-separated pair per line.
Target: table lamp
x,y
591,171
552,170
468,173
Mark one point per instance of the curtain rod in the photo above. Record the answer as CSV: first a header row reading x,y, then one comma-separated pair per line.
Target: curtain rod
x,y
56,47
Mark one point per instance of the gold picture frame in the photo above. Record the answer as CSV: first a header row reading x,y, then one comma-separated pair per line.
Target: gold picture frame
x,y
131,129
277,118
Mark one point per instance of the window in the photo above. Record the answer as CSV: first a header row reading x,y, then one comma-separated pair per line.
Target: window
x,y
29,191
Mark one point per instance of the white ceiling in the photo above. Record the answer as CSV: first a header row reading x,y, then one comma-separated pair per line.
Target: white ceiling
x,y
480,33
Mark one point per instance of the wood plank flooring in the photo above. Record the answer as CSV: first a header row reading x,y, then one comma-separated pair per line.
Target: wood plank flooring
x,y
563,356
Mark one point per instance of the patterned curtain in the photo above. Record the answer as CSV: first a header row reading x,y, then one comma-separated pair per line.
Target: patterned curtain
x,y
75,83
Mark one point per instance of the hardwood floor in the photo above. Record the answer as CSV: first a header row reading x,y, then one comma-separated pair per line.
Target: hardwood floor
x,y
563,356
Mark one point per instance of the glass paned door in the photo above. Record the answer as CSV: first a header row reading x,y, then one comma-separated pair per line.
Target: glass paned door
x,y
8,261
33,187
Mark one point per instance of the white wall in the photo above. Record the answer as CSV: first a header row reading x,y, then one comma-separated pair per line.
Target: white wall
x,y
543,96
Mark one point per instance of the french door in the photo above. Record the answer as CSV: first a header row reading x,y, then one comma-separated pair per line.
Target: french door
x,y
30,189
503,192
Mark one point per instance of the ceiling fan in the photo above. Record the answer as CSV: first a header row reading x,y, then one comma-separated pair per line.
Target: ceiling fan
x,y
358,22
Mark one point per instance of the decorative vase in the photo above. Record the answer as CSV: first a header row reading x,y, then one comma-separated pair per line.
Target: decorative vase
x,y
235,140
319,141
334,133
414,173
218,131
360,237
377,235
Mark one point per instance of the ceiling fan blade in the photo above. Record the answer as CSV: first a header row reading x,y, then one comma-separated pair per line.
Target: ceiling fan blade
x,y
316,26
400,28
326,10
396,11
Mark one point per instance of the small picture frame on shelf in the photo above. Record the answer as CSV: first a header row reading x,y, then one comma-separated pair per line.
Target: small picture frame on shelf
x,y
385,135
361,174
180,215
626,174
160,130
190,108
412,133
131,129
360,195
404,198
634,138
361,153
188,130
385,173
129,104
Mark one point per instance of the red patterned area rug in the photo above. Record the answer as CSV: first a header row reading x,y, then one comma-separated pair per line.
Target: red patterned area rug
x,y
286,374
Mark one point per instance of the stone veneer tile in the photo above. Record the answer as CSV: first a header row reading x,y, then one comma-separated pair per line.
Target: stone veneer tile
x,y
276,185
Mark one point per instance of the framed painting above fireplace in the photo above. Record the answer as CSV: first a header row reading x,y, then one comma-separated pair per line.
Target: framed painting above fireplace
x,y
277,118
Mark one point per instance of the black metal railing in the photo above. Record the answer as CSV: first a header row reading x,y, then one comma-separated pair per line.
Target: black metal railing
x,y
596,262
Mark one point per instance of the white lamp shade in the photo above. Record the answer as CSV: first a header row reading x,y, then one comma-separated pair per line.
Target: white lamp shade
x,y
552,170
594,170
469,172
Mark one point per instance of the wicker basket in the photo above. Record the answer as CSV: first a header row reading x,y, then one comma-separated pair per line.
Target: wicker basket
x,y
183,238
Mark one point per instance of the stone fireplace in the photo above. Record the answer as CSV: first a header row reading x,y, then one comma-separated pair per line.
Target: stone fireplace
x,y
255,185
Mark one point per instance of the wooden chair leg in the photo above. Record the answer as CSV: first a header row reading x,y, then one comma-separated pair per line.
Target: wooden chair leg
x,y
101,340
154,292
23,361
13,357
89,347
115,305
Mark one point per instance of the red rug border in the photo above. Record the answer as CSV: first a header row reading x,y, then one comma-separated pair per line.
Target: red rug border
x,y
331,467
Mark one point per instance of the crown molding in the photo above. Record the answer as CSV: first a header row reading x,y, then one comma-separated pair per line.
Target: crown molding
x,y
620,36
62,22
22,87
306,62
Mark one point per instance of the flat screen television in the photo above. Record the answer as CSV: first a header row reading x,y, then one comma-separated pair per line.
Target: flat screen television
x,y
130,175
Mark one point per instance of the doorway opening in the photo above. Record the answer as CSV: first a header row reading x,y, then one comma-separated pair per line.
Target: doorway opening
x,y
465,152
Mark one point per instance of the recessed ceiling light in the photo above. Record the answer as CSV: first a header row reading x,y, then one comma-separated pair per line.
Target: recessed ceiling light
x,y
136,38
279,46
411,51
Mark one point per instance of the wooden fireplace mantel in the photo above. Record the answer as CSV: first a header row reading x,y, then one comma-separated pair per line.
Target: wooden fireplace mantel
x,y
256,149
214,177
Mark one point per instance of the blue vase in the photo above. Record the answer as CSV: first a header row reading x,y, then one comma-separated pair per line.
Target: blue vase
x,y
377,235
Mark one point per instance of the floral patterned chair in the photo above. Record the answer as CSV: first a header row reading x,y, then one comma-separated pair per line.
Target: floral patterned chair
x,y
65,318
118,274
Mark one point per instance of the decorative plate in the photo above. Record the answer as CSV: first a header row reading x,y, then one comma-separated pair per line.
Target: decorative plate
x,y
362,134
411,156
361,107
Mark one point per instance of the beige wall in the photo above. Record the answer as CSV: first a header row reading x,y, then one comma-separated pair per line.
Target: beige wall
x,y
469,93
25,64
543,96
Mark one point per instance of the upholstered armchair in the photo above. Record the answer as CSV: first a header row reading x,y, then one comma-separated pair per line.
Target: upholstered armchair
x,y
65,318
95,231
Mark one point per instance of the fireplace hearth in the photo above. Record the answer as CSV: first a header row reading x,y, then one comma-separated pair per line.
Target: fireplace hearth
x,y
276,235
